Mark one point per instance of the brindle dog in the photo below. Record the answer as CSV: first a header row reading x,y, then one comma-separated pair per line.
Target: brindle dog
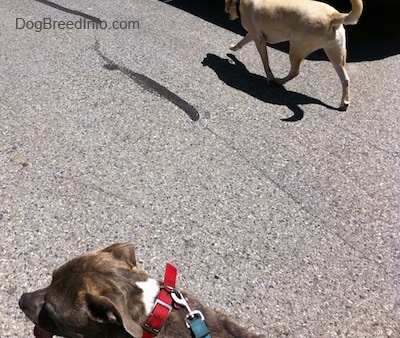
x,y
104,294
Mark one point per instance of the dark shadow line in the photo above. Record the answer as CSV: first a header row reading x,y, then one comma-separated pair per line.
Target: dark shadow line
x,y
71,11
150,85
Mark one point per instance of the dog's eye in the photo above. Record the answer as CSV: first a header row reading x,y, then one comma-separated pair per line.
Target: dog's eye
x,y
55,276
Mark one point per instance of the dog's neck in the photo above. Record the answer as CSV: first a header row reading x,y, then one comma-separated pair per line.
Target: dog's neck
x,y
217,320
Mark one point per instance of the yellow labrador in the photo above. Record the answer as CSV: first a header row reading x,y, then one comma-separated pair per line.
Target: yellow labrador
x,y
308,25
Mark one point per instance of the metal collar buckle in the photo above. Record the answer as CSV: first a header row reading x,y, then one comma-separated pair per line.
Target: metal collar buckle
x,y
151,329
162,303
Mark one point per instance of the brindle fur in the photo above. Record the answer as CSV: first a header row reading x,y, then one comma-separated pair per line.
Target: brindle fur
x,y
95,295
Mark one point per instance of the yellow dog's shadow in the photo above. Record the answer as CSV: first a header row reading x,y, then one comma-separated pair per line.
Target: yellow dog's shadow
x,y
235,74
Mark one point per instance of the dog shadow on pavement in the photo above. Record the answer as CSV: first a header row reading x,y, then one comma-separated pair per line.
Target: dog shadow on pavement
x,y
235,74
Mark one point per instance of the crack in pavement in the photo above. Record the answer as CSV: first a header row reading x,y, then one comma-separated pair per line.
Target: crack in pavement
x,y
70,11
156,88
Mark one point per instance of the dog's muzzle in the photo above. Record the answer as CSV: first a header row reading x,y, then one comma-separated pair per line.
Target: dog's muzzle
x,y
31,304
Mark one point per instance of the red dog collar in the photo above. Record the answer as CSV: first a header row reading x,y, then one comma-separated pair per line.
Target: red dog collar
x,y
163,305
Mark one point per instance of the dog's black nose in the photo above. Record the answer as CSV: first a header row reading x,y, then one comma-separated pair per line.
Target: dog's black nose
x,y
32,302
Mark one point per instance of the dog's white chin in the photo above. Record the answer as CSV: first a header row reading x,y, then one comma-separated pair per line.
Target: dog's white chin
x,y
150,288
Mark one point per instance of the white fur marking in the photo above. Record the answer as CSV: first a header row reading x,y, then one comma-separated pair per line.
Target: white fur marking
x,y
150,288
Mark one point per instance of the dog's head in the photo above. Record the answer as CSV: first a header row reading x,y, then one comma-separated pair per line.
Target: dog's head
x,y
230,8
94,295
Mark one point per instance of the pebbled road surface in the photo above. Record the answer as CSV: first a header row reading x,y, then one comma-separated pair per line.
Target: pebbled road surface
x,y
276,208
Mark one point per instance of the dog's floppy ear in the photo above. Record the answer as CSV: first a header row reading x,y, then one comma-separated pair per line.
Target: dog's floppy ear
x,y
104,310
123,252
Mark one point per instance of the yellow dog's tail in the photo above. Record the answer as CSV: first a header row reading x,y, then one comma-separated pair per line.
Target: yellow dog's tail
x,y
355,13
349,18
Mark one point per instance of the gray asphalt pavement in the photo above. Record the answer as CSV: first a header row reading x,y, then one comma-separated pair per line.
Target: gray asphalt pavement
x,y
275,207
